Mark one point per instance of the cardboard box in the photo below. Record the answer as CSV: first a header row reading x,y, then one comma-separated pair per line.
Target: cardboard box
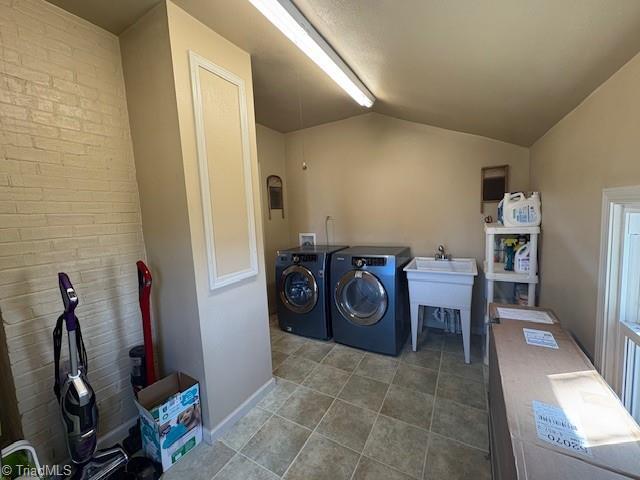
x,y
170,419
552,416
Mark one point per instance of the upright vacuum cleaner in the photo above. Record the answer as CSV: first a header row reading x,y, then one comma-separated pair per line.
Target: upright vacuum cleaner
x,y
143,371
143,374
77,399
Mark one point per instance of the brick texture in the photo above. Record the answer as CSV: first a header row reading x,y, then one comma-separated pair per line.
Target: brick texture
x,y
68,202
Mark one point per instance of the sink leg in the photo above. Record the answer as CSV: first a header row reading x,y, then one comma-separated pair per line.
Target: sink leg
x,y
415,311
421,312
465,320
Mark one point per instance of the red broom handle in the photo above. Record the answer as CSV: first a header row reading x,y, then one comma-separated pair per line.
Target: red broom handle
x,y
144,290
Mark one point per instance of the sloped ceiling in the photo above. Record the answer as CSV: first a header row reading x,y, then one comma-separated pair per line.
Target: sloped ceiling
x,y
112,15
505,69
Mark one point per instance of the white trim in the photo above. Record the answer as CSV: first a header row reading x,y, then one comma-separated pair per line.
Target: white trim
x,y
215,280
211,435
614,201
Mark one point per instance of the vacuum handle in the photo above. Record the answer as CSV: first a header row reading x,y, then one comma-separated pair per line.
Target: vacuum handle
x,y
70,300
144,291
144,277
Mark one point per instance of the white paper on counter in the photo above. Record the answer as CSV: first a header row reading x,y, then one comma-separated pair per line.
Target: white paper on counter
x,y
536,316
540,338
553,426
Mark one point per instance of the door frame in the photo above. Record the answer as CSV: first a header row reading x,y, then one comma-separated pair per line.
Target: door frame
x,y
615,201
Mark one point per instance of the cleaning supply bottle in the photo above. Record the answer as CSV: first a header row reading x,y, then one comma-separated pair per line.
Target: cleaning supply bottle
x,y
518,210
522,261
509,253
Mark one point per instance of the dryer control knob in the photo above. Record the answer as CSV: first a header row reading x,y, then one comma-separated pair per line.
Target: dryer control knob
x,y
296,259
360,262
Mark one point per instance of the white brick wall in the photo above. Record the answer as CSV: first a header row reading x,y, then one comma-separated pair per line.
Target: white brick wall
x,y
68,202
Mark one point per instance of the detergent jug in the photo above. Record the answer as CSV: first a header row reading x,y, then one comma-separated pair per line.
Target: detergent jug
x,y
516,210
522,260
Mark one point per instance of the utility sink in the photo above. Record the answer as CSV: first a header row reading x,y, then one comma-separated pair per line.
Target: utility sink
x,y
445,284
458,266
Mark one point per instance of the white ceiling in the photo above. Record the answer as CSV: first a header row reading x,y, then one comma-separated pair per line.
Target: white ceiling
x,y
505,69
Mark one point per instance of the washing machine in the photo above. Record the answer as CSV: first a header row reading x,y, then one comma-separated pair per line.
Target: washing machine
x,y
302,280
371,298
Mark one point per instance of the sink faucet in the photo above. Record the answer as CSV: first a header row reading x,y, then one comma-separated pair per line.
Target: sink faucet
x,y
441,254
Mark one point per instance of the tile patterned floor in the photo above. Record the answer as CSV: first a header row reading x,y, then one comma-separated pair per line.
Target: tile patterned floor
x,y
338,413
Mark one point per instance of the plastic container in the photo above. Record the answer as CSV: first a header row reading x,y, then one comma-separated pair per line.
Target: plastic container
x,y
19,460
518,210
510,254
522,260
138,368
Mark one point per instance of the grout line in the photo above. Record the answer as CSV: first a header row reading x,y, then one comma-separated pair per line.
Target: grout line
x,y
323,416
360,455
433,412
482,410
404,422
395,359
355,405
460,442
253,434
355,469
313,430
256,463
395,372
225,463
292,421
272,414
239,453
463,377
378,413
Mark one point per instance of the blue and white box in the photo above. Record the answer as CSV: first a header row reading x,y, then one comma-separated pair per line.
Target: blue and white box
x,y
170,418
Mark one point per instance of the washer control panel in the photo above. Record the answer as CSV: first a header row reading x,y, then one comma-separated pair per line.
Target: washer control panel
x,y
297,258
360,262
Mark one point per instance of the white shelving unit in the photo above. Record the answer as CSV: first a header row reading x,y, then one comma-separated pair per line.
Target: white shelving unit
x,y
495,272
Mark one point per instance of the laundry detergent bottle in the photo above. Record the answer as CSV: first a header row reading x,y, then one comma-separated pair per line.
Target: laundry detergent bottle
x,y
518,210
522,260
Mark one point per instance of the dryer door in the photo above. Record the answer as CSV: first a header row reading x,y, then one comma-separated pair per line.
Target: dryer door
x,y
298,289
361,298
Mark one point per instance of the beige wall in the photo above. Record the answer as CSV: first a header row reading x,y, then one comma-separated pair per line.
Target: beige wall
x,y
146,57
220,337
389,181
271,158
68,202
234,319
594,147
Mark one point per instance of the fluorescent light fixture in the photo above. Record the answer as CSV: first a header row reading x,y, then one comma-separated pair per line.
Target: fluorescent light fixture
x,y
290,21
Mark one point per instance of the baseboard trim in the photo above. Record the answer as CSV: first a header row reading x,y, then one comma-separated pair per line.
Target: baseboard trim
x,y
211,435
117,435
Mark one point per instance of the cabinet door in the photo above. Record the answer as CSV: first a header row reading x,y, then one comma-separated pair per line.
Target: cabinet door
x,y
224,164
